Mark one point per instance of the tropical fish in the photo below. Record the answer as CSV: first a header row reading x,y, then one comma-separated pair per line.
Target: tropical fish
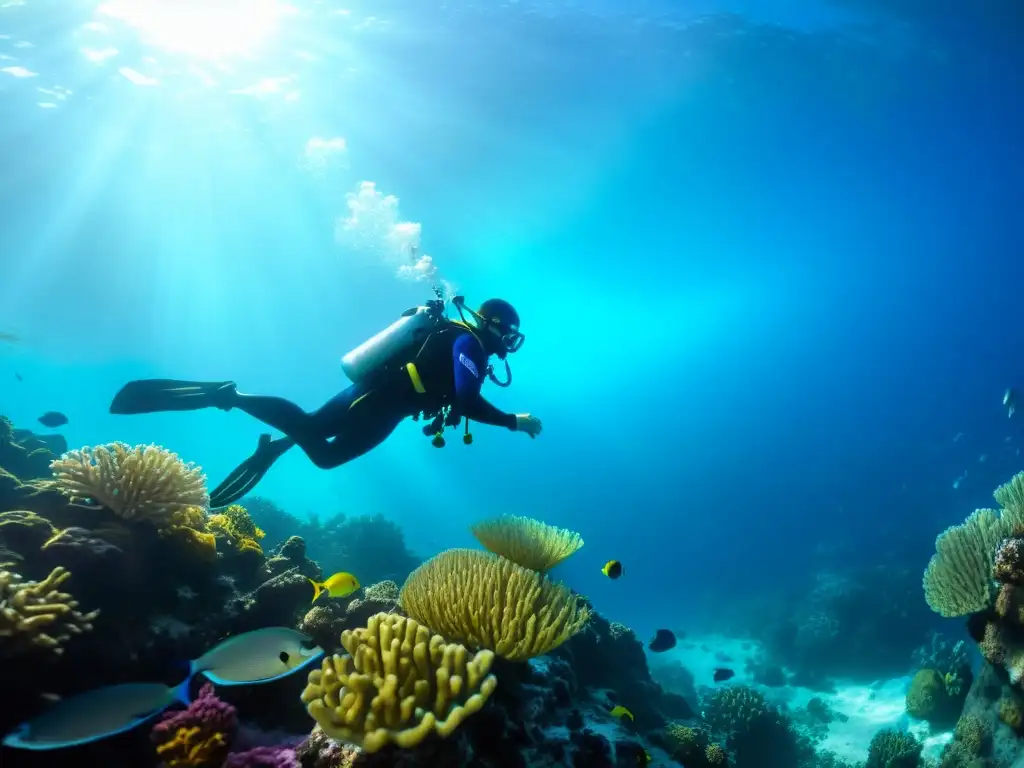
x,y
620,711
9,337
613,569
261,656
53,419
254,657
18,376
722,674
95,715
664,639
1010,402
340,584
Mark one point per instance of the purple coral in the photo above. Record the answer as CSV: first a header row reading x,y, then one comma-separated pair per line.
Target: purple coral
x,y
206,712
264,757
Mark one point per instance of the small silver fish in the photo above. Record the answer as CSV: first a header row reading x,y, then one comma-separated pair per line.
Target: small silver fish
x,y
1010,402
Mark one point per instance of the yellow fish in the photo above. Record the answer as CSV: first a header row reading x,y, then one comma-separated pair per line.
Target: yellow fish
x,y
339,585
621,711
613,569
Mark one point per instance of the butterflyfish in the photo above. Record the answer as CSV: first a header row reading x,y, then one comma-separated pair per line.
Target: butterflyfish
x,y
613,569
339,585
620,711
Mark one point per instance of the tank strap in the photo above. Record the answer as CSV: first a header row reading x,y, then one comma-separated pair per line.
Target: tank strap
x,y
414,376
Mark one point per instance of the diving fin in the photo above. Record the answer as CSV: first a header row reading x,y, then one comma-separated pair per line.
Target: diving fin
x,y
248,474
157,395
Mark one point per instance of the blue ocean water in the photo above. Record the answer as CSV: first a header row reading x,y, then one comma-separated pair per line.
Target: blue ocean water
x,y
767,257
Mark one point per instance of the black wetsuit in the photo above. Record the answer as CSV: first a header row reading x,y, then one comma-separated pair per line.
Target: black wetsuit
x,y
451,368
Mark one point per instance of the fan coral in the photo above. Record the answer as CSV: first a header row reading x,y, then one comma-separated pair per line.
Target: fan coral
x,y
527,542
397,684
34,615
197,736
142,483
490,602
958,579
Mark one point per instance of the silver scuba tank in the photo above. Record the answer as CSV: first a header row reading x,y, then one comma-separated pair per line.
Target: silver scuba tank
x,y
406,334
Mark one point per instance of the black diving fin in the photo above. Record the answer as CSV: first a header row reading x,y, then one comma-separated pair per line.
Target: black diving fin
x,y
158,395
247,475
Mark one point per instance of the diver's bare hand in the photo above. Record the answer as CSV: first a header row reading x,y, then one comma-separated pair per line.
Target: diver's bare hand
x,y
529,424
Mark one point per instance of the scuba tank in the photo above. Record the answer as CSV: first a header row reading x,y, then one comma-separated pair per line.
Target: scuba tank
x,y
402,336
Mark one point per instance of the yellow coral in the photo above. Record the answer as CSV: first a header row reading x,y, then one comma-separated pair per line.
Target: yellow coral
x,y
488,601
142,483
527,542
192,746
36,615
397,684
236,522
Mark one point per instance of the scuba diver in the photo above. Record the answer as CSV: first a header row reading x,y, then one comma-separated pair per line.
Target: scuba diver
x,y
423,364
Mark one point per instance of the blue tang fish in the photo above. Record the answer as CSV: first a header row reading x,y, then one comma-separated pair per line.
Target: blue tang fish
x,y
261,656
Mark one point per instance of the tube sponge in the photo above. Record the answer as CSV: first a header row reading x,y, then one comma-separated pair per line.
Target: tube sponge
x,y
397,684
488,601
142,483
36,615
527,542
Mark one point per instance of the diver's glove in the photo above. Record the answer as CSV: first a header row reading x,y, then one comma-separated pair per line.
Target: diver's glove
x,y
529,424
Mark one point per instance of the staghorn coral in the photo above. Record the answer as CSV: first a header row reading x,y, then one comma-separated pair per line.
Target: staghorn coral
x,y
527,542
197,736
397,684
142,483
36,616
490,602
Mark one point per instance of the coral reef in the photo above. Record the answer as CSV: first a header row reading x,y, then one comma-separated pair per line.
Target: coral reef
x,y
397,684
860,623
197,736
893,749
489,602
527,542
146,482
757,734
935,697
37,616
263,757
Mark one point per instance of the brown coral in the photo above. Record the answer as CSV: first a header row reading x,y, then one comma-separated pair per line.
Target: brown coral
x,y
143,483
1010,604
1010,713
1008,566
36,616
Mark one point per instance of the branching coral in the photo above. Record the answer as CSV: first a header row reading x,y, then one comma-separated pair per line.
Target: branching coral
x,y
527,542
197,736
893,749
143,483
397,684
487,601
36,615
